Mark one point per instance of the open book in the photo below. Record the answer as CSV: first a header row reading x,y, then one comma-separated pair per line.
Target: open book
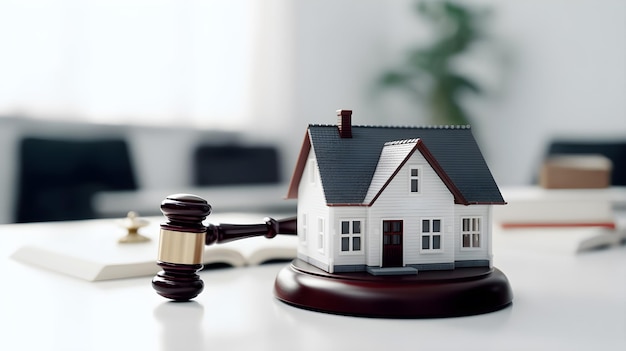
x,y
89,250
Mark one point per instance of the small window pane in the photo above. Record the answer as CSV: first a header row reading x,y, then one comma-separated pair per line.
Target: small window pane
x,y
436,242
356,244
425,226
397,226
466,224
414,186
436,225
476,240
476,224
414,172
345,244
387,239
386,227
466,240
426,242
396,239
345,227
356,227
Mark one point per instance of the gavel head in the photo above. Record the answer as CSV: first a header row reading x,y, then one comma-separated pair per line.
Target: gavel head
x,y
181,245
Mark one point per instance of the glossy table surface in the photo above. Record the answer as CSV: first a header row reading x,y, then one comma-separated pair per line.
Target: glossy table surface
x,y
562,301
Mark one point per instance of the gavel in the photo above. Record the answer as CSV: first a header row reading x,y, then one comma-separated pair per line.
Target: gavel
x,y
183,237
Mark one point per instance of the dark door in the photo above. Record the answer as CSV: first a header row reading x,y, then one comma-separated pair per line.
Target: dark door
x,y
392,243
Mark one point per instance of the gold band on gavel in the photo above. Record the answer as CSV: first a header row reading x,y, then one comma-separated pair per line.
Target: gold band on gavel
x,y
181,247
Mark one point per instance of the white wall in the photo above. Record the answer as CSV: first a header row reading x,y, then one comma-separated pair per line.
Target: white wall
x,y
566,78
551,68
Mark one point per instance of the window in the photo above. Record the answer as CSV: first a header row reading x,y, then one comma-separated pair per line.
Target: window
x,y
414,180
320,234
351,236
431,234
163,51
470,230
303,228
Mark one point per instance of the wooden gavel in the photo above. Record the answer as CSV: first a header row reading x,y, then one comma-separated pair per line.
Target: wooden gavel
x,y
183,238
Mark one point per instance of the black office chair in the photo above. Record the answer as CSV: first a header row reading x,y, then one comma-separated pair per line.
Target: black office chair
x,y
57,178
613,150
235,165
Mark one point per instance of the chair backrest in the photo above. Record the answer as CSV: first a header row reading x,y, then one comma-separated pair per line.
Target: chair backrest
x,y
235,165
58,177
613,150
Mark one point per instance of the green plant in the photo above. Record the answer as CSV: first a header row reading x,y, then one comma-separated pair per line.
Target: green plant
x,y
429,72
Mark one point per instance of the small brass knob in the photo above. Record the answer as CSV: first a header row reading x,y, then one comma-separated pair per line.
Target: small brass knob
x,y
132,224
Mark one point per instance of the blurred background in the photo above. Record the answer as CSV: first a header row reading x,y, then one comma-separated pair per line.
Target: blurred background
x,y
138,95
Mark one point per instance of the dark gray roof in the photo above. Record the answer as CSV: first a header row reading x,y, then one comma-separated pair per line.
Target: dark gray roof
x,y
347,165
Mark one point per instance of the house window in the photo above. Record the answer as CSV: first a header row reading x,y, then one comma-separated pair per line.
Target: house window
x,y
351,236
320,234
470,232
431,234
414,180
303,228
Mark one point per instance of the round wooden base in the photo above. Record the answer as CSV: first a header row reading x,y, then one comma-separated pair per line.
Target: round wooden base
x,y
428,294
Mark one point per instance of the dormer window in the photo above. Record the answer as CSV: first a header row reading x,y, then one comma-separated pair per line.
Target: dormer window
x,y
414,179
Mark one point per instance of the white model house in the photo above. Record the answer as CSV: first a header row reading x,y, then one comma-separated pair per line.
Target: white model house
x,y
380,199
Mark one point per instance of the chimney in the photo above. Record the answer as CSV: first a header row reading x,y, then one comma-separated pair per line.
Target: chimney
x,y
344,123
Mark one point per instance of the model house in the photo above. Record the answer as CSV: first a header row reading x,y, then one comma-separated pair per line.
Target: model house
x,y
392,200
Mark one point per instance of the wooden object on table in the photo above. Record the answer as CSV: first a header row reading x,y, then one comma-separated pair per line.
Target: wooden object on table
x,y
576,172
180,247
430,294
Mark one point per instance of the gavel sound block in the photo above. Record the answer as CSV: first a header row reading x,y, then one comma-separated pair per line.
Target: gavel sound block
x,y
183,238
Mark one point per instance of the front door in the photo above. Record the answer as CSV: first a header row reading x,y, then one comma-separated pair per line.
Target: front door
x,y
392,243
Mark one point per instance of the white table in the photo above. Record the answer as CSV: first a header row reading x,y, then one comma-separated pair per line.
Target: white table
x,y
561,302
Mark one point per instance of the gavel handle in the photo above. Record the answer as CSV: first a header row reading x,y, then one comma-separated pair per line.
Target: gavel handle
x,y
224,233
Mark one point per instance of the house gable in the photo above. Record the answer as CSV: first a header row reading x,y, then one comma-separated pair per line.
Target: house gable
x,y
393,157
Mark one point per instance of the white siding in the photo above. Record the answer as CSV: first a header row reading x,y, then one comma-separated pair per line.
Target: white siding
x,y
338,214
396,202
474,211
312,204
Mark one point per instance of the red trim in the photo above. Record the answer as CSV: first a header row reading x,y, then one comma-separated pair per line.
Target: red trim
x,y
608,225
292,193
458,197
